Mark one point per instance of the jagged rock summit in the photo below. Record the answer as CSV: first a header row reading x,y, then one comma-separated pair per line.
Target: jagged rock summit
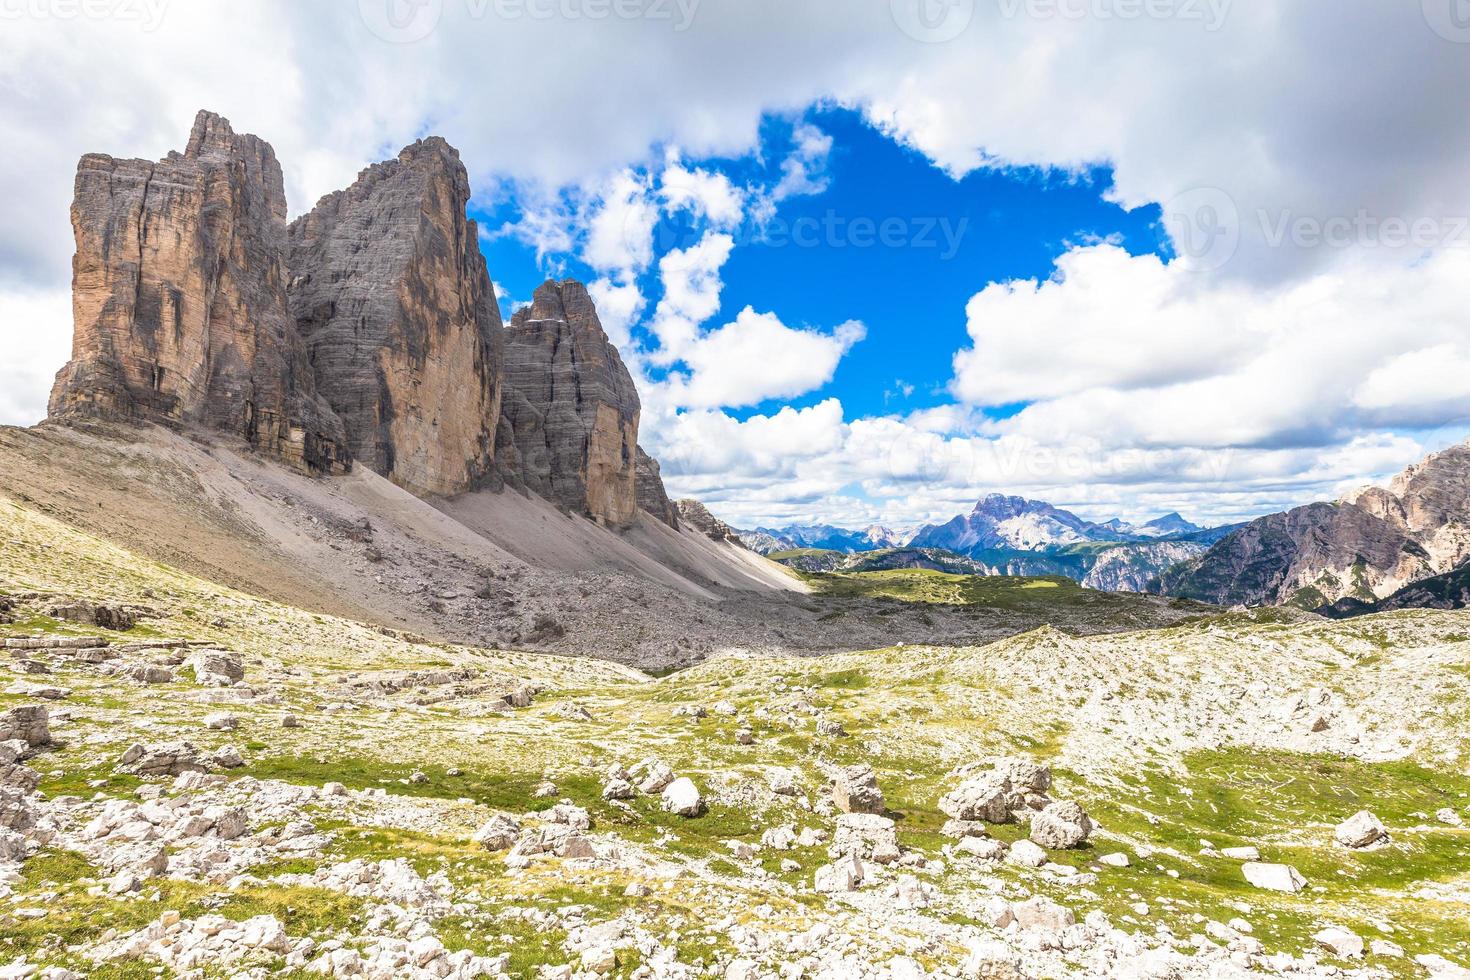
x,y
179,299
392,298
569,419
697,516
1365,547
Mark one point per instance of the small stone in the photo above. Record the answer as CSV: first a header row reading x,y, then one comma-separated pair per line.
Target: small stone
x,y
1340,942
1026,853
1116,860
1274,877
856,790
1362,829
681,798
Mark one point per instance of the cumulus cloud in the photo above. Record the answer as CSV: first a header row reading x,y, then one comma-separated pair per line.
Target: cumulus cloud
x,y
708,194
691,294
756,357
1139,353
619,236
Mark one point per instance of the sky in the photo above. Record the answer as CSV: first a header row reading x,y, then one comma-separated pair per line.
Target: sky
x,y
868,260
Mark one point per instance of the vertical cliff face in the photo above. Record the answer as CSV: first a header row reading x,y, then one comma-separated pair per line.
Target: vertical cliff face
x,y
179,299
390,293
649,486
569,419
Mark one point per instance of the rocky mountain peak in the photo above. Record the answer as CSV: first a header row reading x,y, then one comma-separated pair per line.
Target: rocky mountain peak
x,y
391,293
179,296
569,425
1366,546
565,302
697,516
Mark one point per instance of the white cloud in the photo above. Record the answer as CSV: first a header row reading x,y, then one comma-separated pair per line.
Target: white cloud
x,y
691,294
1105,319
1136,353
804,169
620,227
756,357
708,194
1429,385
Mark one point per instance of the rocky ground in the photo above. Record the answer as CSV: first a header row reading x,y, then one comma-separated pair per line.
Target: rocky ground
x,y
196,782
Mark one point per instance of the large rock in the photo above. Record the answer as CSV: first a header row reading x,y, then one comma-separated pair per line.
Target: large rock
x,y
1040,912
1062,825
28,723
649,487
1362,829
569,417
855,790
979,798
391,296
216,668
867,835
1010,787
1274,877
1340,942
179,299
681,798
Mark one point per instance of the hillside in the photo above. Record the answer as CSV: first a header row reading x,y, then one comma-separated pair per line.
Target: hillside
x,y
494,569
360,800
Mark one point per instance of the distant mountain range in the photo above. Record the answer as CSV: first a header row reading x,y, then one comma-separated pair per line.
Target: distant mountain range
x,y
822,537
999,522
1377,548
1002,535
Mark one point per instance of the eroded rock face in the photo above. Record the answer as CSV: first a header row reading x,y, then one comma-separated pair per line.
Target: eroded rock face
x,y
569,418
649,486
390,294
179,299
697,516
1367,546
